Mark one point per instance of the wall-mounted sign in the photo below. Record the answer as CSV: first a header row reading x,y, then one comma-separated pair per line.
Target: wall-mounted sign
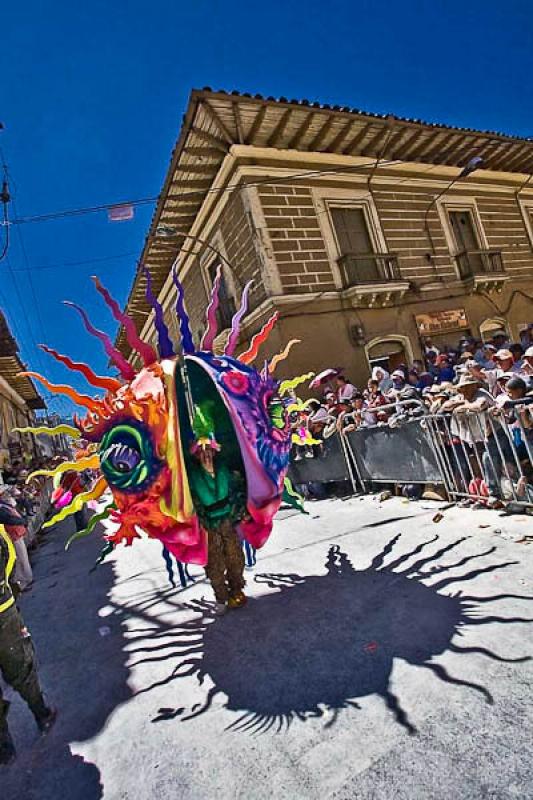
x,y
441,322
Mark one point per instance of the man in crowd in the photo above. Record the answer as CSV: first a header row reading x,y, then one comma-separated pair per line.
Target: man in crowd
x,y
484,356
527,363
16,530
345,390
506,362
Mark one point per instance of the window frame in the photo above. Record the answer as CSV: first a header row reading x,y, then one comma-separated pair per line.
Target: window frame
x,y
526,209
326,199
457,203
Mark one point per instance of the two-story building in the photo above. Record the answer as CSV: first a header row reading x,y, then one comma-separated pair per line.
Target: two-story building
x,y
367,233
19,399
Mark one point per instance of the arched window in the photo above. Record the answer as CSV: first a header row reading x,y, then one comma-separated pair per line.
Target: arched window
x,y
491,327
389,352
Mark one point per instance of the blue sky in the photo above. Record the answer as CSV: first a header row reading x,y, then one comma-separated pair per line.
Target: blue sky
x,y
92,97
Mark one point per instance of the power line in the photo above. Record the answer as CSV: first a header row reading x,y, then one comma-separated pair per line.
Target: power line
x,y
68,264
197,193
30,279
38,355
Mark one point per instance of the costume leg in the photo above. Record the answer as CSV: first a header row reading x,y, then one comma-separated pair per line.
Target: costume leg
x,y
216,567
80,518
17,662
234,557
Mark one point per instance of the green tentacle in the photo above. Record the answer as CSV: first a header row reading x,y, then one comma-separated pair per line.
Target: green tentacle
x,y
93,522
291,497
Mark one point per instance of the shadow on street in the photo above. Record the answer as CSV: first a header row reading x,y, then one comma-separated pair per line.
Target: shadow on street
x,y
319,643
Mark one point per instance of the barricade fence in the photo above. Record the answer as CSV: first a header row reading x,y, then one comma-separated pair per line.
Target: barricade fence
x,y
481,454
473,455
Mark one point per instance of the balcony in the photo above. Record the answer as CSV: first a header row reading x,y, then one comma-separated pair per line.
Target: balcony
x,y
361,268
483,269
371,279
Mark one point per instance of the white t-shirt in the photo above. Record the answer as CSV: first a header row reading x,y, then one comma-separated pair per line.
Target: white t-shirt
x,y
472,426
345,393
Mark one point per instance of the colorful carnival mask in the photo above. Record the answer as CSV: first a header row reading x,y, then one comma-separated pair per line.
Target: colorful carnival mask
x,y
143,432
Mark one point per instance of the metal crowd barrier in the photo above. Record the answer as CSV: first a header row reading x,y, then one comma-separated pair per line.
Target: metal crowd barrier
x,y
474,455
480,455
399,453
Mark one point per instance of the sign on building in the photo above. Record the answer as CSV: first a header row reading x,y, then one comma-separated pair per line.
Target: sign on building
x,y
441,322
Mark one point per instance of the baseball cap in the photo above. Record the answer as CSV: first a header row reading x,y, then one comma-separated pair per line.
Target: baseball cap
x,y
529,353
501,355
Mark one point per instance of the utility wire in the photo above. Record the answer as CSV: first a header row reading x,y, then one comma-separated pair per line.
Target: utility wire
x,y
84,262
30,279
5,191
197,193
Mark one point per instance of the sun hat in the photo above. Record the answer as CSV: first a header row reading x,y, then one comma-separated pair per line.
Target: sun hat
x,y
467,380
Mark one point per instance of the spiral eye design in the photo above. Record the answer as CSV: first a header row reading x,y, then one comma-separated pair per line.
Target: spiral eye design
x,y
127,457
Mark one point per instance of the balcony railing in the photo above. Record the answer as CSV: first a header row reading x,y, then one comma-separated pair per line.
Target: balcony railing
x,y
471,263
368,268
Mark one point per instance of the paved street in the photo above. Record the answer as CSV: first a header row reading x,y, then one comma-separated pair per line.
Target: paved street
x,y
382,655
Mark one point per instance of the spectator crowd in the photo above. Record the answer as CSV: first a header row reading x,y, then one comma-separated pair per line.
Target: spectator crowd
x,y
479,395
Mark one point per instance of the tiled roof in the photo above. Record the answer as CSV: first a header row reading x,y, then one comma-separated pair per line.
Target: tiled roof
x,y
11,365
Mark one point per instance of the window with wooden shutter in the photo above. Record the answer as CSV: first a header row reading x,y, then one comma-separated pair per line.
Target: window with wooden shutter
x,y
359,262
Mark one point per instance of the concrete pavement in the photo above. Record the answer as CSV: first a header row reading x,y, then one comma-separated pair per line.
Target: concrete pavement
x,y
381,655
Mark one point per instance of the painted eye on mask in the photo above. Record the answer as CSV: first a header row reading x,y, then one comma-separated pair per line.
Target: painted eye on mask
x,y
127,458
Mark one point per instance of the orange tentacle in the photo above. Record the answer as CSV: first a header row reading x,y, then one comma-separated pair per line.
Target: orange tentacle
x,y
260,338
79,399
99,381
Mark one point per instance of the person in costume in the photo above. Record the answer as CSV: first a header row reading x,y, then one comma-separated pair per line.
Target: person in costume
x,y
218,496
17,655
141,428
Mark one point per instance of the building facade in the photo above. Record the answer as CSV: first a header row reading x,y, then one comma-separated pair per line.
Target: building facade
x,y
362,231
19,400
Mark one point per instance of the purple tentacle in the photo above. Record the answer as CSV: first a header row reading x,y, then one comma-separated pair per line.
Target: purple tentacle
x,y
211,316
146,352
236,322
187,343
123,366
166,348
